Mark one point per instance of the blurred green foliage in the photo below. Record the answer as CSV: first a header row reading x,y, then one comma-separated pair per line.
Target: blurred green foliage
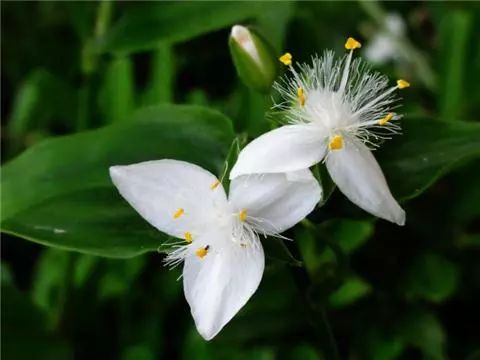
x,y
128,81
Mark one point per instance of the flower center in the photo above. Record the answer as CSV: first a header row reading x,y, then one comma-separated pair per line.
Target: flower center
x,y
327,108
242,215
336,142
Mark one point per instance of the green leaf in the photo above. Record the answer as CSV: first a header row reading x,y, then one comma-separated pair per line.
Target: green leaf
x,y
147,24
331,241
41,99
455,41
352,289
381,345
59,193
116,98
161,86
348,234
425,151
423,330
431,277
119,276
48,291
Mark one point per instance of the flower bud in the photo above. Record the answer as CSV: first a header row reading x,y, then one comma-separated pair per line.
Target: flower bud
x,y
253,58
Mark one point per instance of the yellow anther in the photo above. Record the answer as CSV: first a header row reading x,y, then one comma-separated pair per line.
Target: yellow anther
x,y
402,84
202,252
243,215
188,237
286,59
386,119
178,213
215,184
336,142
301,96
352,44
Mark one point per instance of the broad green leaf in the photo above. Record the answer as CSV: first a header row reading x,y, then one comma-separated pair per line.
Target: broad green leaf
x,y
425,151
59,193
147,24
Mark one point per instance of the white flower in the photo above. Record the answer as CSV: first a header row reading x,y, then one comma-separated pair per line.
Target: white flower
x,y
223,257
336,110
384,45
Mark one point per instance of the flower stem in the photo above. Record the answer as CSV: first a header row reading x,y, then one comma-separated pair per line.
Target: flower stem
x,y
316,312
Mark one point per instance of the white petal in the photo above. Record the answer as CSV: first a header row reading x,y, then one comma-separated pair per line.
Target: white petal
x,y
275,202
160,189
358,175
218,285
288,148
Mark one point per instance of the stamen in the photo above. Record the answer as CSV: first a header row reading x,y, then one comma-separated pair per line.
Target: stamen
x,y
243,215
178,213
402,84
376,100
202,252
215,184
336,143
352,44
386,119
188,237
286,59
301,96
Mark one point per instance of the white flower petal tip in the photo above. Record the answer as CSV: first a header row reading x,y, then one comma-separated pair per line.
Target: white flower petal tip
x,y
115,171
399,219
286,149
357,174
220,284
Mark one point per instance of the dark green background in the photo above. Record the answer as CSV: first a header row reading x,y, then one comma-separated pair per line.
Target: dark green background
x,y
86,85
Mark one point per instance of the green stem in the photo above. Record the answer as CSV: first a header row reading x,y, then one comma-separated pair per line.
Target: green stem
x,y
316,313
104,15
89,63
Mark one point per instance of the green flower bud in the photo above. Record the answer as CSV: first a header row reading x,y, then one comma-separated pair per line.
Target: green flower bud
x,y
253,58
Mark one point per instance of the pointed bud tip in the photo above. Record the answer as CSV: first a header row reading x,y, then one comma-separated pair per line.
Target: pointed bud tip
x,y
243,37
253,58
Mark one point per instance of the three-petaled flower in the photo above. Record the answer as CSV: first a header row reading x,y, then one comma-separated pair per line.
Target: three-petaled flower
x,y
336,110
222,254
